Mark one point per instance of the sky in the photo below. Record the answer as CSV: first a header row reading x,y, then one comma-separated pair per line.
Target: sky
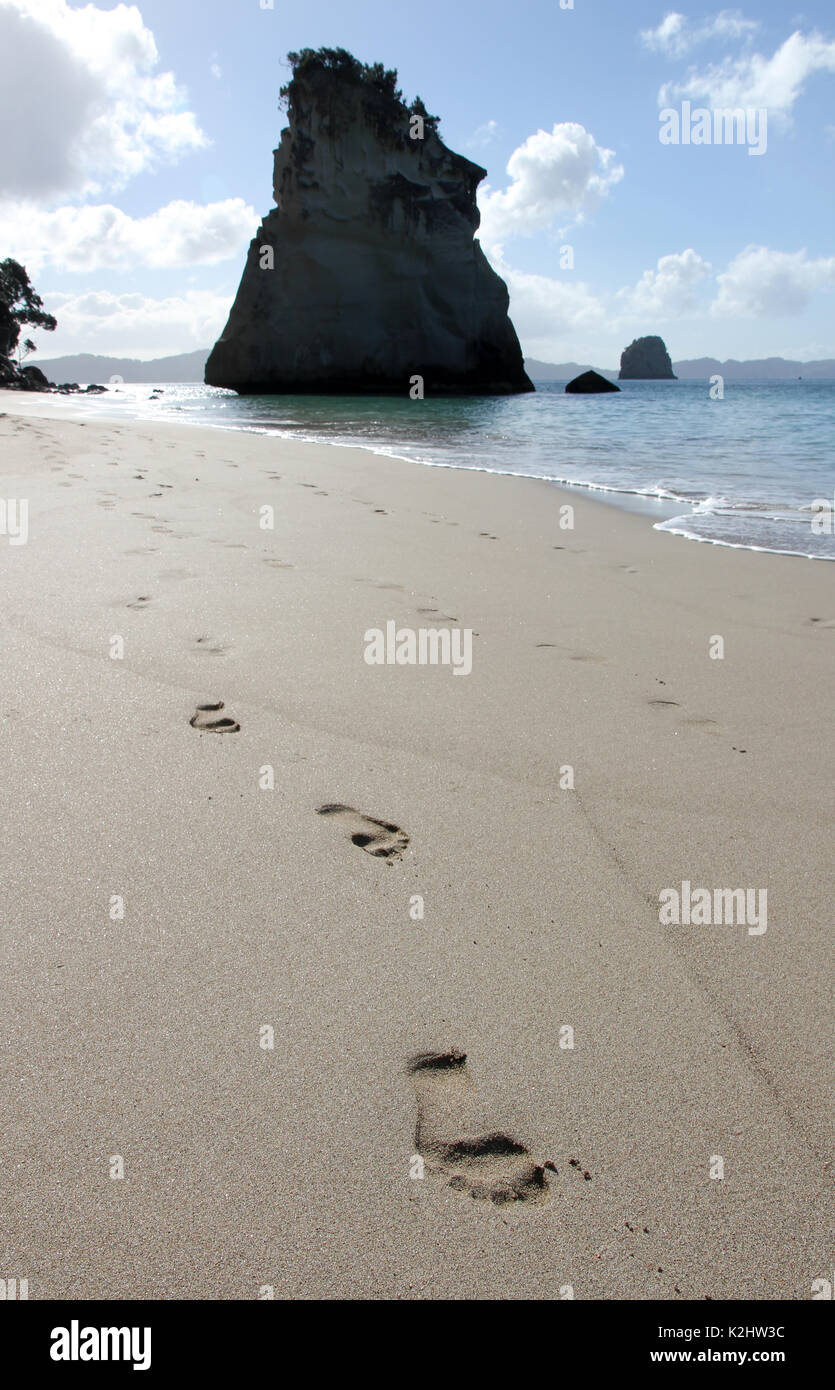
x,y
136,162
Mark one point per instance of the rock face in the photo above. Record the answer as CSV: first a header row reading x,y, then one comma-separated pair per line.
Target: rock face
x,y
14,378
590,383
39,380
646,359
376,277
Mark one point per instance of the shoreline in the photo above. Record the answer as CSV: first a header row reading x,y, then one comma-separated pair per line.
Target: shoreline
x,y
246,907
662,508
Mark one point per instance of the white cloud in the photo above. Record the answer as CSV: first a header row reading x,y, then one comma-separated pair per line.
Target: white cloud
x,y
561,319
546,311
132,325
730,24
552,175
483,135
88,106
669,37
758,283
669,290
761,283
753,80
675,36
103,237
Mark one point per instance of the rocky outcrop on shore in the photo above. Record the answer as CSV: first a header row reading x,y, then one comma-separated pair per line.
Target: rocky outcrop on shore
x,y
366,277
646,359
15,378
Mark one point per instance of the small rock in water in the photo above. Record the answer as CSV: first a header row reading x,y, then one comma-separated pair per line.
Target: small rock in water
x,y
590,383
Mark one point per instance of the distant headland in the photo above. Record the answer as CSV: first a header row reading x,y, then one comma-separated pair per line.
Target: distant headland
x,y
190,366
699,369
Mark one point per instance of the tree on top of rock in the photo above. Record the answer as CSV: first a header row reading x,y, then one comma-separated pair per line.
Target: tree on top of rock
x,y
378,79
19,304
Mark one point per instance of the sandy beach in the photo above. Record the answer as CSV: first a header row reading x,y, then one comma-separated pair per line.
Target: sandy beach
x,y
143,1036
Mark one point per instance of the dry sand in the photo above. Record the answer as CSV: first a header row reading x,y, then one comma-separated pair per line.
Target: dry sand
x,y
289,1167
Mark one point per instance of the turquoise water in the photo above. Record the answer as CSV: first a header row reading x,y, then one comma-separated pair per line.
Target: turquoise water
x,y
741,471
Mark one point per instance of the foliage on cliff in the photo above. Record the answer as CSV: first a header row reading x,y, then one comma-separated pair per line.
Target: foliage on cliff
x,y
377,80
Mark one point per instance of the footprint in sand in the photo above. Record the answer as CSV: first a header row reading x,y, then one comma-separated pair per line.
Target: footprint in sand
x,y
708,725
377,837
205,717
492,1165
215,649
437,616
573,654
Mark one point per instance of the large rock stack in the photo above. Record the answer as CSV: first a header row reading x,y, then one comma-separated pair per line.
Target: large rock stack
x,y
366,273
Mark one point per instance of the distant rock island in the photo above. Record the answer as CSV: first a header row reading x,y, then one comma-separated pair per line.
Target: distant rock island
x,y
366,273
590,384
646,359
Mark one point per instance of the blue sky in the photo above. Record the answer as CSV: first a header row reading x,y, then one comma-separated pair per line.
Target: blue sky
x,y
137,162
